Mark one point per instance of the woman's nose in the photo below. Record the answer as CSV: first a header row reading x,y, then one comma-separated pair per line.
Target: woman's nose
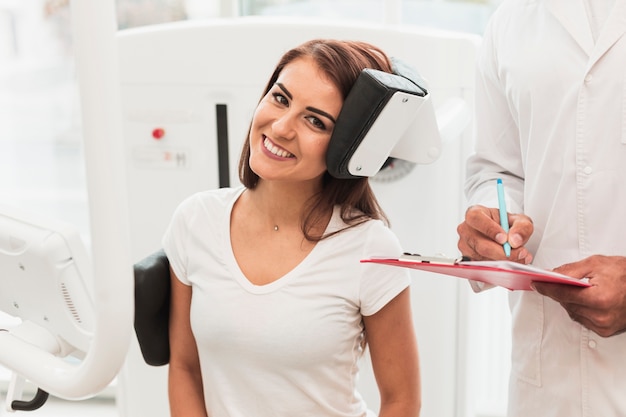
x,y
285,126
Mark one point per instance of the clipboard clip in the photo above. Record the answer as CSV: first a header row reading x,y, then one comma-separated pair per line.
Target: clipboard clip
x,y
437,259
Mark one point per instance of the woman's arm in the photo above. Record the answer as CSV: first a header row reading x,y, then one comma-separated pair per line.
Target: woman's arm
x,y
185,382
393,349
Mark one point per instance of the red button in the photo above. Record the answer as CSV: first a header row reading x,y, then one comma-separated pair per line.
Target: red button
x,y
158,133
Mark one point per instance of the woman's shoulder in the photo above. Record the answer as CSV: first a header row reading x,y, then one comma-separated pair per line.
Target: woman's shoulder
x,y
209,200
219,196
367,230
379,231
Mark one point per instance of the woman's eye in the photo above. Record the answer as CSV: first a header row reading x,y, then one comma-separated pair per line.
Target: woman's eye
x,y
280,98
317,122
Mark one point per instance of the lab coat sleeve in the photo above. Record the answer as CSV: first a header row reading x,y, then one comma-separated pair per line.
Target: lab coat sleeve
x,y
497,147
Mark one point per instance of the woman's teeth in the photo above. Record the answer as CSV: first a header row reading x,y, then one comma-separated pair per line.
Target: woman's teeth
x,y
275,150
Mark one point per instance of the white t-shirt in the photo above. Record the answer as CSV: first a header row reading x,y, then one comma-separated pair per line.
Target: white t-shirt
x,y
291,347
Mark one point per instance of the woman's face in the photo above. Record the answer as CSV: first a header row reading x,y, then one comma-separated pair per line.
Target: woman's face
x,y
292,124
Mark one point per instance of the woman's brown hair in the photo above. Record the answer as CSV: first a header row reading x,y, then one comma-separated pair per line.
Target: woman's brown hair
x,y
341,62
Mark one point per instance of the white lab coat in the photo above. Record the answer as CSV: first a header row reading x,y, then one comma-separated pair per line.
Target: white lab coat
x,y
551,121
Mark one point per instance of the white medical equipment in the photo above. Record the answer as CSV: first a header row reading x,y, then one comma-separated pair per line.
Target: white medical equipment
x,y
46,272
384,116
47,283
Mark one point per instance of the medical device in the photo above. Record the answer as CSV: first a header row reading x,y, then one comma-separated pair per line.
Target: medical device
x,y
46,283
74,306
385,115
46,275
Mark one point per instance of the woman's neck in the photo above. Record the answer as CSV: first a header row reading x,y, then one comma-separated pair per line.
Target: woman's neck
x,y
280,205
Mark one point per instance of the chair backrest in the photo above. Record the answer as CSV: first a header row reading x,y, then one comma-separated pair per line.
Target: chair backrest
x,y
152,307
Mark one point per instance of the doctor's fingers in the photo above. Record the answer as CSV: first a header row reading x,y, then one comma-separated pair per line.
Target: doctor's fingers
x,y
604,322
478,234
601,308
605,270
521,228
483,220
477,246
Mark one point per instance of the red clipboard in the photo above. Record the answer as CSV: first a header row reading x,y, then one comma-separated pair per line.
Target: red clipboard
x,y
507,274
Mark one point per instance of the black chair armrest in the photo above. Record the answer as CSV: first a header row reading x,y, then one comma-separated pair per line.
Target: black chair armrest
x,y
152,307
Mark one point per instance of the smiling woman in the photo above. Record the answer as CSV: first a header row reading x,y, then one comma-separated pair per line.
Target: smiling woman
x,y
278,290
292,125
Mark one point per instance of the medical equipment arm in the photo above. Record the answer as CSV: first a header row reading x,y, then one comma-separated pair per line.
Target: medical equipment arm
x,y
96,57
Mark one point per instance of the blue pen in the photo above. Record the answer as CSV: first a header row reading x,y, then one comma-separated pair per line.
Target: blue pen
x,y
504,220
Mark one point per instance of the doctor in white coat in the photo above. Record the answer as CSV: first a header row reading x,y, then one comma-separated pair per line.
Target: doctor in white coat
x,y
551,122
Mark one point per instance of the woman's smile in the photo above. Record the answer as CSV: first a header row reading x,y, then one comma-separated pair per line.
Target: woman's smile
x,y
275,150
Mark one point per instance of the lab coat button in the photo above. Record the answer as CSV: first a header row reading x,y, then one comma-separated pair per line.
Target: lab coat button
x,y
588,170
588,78
592,344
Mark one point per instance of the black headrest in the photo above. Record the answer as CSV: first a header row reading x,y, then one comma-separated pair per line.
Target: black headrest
x,y
374,117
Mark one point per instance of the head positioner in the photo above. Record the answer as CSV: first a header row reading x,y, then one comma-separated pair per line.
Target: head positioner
x,y
384,115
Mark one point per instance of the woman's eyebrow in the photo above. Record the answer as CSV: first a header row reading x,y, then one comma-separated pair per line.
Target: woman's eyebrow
x,y
323,113
287,93
313,109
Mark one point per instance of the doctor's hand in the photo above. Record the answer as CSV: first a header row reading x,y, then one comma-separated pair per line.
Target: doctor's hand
x,y
601,307
481,236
